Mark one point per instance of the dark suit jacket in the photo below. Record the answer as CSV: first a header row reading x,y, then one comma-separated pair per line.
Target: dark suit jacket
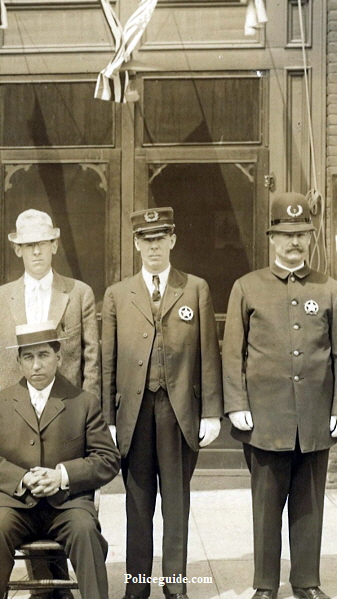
x,y
72,306
191,348
71,431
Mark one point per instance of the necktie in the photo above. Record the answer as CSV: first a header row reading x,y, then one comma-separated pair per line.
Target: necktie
x,y
38,403
156,297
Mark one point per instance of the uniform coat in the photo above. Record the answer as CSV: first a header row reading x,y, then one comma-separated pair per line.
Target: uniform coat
x,y
279,359
71,431
191,351
72,307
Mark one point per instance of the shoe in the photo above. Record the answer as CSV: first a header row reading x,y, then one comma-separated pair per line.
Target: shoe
x,y
130,596
176,596
265,594
309,593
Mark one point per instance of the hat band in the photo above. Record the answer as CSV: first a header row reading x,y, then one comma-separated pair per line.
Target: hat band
x,y
38,337
278,221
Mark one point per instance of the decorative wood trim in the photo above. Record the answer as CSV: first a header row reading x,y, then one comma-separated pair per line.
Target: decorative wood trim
x,y
292,41
297,134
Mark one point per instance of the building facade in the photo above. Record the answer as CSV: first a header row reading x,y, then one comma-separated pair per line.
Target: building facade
x,y
223,122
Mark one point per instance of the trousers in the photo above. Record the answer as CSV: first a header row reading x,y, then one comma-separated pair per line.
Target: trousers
x,y
298,478
77,530
160,455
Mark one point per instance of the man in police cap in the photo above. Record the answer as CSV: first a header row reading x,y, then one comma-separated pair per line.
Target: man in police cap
x,y
162,388
279,364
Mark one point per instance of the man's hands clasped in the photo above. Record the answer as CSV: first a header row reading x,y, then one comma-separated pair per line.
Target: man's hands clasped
x,y
42,482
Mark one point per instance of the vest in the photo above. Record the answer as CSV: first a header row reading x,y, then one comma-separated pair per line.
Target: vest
x,y
155,377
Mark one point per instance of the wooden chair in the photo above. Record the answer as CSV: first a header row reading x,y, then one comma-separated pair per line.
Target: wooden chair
x,y
47,550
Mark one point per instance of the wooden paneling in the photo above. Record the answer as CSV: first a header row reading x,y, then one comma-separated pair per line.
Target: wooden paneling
x,y
205,25
293,23
296,126
55,27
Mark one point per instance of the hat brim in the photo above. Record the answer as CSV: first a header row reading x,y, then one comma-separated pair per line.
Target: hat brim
x,y
291,228
59,339
34,238
154,231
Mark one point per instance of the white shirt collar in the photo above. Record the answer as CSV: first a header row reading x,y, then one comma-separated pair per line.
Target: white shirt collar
x,y
289,269
163,277
45,392
45,282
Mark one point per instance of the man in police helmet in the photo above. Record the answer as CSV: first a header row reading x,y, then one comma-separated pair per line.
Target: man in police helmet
x,y
279,360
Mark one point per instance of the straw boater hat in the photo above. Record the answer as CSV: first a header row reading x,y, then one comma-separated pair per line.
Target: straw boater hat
x,y
33,226
33,334
154,222
290,213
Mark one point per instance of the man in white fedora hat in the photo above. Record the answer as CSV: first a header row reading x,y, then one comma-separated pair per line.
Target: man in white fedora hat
x,y
56,449
42,294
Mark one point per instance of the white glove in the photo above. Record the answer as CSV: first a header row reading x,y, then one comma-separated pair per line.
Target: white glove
x,y
209,430
242,420
333,426
112,429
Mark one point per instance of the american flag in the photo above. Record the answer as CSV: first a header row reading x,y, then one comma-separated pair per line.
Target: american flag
x,y
111,83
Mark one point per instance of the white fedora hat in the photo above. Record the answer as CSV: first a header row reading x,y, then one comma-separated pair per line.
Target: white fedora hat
x,y
33,226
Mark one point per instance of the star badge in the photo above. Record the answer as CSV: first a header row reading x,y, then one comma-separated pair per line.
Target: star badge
x,y
185,313
311,307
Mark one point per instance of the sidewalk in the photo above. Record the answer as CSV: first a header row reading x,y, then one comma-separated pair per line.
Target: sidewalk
x,y
220,544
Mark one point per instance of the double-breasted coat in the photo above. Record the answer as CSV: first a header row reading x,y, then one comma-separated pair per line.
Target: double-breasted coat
x,y
72,307
191,353
71,431
279,357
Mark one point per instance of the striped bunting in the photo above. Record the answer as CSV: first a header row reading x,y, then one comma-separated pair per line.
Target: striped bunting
x,y
112,84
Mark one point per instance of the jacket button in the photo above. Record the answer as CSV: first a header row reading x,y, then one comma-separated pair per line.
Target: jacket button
x,y
292,278
140,362
145,335
294,302
32,442
296,327
296,352
296,378
31,504
139,391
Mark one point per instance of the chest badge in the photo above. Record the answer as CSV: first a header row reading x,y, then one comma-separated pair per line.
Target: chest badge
x,y
185,313
311,307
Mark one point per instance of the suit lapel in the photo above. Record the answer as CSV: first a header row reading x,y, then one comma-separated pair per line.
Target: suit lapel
x,y
54,405
173,290
59,299
23,405
140,297
17,302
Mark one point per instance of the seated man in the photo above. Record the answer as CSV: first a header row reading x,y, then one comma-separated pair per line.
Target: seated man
x,y
56,449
